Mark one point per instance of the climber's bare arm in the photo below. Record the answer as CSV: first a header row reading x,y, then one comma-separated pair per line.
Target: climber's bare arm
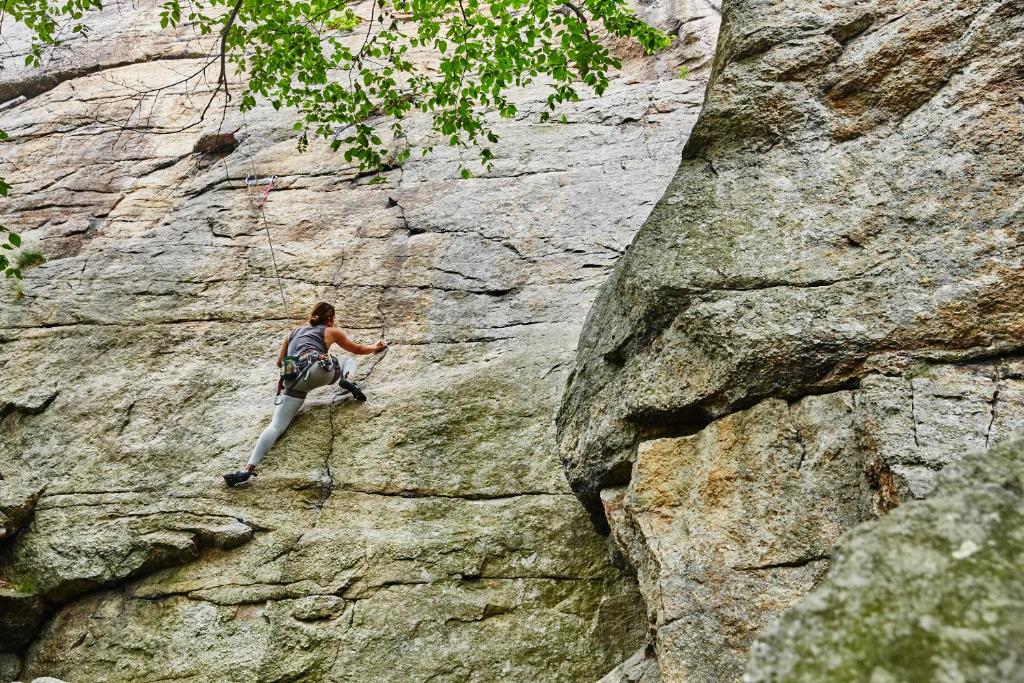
x,y
284,350
335,336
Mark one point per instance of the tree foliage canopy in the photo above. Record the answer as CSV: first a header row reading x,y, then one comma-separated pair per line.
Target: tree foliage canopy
x,y
318,58
354,79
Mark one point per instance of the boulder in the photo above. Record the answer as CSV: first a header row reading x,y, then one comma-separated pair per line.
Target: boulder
x,y
850,192
820,314
21,613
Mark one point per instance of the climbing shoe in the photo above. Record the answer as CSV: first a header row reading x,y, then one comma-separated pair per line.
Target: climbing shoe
x,y
236,478
351,388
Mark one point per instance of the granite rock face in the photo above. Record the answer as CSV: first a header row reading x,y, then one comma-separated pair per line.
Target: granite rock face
x,y
821,313
428,534
642,667
732,525
932,592
17,501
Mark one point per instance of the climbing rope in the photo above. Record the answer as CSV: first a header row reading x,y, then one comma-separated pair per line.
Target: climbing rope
x,y
258,197
258,200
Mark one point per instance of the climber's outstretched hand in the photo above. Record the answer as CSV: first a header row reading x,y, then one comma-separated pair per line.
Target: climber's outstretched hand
x,y
333,335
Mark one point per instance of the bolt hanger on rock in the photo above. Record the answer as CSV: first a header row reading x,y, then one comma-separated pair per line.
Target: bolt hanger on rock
x,y
259,198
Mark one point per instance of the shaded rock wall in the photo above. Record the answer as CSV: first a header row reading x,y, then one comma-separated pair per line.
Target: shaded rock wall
x,y
821,312
426,534
933,592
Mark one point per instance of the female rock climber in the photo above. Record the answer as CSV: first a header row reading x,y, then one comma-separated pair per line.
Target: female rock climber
x,y
316,369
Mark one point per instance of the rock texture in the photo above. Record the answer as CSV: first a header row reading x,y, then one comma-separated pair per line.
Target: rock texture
x,y
821,312
642,667
428,534
16,504
932,592
730,526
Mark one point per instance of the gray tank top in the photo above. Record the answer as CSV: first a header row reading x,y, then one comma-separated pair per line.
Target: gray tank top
x,y
306,339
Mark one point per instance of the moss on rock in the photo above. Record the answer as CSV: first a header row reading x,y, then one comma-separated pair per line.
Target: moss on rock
x,y
932,592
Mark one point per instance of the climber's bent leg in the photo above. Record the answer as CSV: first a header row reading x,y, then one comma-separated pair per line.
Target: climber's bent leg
x,y
288,404
316,376
348,368
347,382
284,413
294,396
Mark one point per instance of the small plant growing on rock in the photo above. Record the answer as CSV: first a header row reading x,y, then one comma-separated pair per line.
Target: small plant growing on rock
x,y
919,369
29,257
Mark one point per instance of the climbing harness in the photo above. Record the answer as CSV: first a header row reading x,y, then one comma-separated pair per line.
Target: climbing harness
x,y
295,368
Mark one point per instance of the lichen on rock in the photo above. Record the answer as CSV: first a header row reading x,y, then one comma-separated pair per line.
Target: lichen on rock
x,y
931,592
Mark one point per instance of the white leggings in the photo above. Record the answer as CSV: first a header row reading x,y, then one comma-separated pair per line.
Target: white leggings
x,y
288,407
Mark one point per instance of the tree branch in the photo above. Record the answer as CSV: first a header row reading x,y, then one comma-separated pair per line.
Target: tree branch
x,y
579,15
222,77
